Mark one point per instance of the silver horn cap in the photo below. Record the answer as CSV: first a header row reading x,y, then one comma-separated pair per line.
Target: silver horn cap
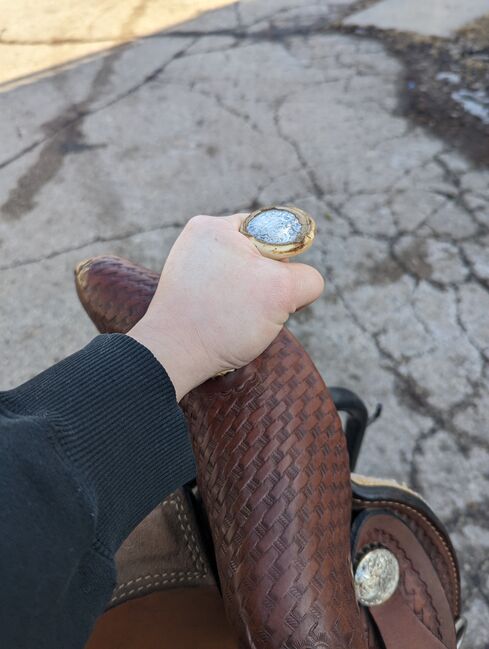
x,y
279,232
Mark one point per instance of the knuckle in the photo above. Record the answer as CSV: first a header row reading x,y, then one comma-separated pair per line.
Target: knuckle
x,y
199,221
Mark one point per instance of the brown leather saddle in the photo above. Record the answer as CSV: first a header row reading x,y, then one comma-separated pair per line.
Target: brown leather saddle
x,y
279,546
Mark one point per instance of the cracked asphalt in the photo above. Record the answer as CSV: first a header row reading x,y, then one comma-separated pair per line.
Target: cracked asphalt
x,y
273,102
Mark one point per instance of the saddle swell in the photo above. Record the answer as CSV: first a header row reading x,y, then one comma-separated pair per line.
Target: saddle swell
x,y
274,477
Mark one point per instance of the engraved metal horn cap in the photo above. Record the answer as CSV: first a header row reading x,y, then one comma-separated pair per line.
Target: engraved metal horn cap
x,y
279,232
376,577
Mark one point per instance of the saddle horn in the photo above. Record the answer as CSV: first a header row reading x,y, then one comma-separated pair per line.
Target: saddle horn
x,y
273,472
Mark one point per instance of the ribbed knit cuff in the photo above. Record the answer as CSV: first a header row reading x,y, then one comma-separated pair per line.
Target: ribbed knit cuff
x,y
115,416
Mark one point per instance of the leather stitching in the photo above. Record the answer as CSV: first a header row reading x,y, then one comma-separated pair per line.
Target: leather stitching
x,y
388,503
163,578
175,577
190,540
427,592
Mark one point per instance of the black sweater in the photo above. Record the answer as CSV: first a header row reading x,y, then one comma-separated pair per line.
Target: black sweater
x,y
87,449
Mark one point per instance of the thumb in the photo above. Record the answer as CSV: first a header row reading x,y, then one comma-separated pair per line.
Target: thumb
x,y
307,284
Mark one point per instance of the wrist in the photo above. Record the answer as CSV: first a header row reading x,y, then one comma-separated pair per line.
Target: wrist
x,y
180,361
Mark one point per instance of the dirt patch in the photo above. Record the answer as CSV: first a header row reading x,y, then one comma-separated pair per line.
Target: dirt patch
x,y
385,272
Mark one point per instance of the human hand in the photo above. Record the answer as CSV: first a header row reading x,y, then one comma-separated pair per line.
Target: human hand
x,y
219,303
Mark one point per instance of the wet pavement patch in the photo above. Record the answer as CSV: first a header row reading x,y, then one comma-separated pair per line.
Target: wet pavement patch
x,y
446,83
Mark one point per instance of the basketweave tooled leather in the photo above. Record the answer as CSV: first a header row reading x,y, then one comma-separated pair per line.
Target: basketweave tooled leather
x,y
274,477
252,430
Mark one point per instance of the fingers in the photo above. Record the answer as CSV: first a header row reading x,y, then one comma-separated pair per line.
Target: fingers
x,y
235,220
307,284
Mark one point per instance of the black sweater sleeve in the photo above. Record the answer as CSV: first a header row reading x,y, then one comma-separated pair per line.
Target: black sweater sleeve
x,y
87,449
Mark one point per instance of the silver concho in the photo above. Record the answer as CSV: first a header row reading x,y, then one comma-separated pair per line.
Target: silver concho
x,y
376,577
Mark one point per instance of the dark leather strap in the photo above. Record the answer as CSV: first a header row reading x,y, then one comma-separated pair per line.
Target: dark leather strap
x,y
418,614
400,628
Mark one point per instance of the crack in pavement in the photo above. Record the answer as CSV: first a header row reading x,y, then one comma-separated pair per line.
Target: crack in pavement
x,y
68,138
73,140
316,185
90,242
408,390
268,34
435,307
228,109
